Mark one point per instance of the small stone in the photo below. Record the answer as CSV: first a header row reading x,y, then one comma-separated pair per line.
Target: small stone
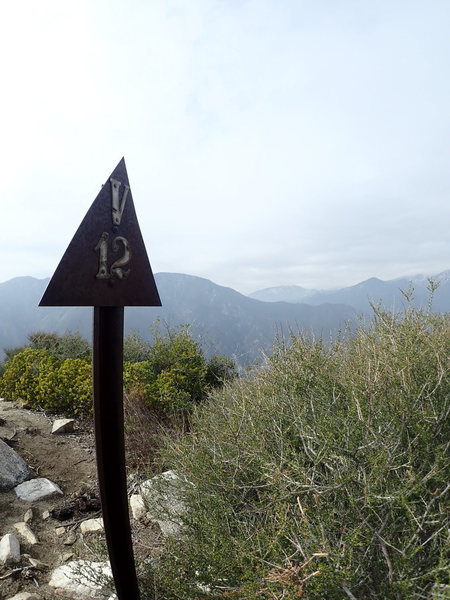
x,y
60,531
137,506
25,533
63,426
28,516
92,526
45,515
25,596
37,489
37,564
9,549
70,539
67,556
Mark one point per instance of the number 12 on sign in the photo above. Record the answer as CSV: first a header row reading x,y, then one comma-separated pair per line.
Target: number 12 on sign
x,y
116,269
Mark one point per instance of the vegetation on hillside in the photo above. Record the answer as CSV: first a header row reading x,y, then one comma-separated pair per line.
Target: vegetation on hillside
x,y
54,372
326,475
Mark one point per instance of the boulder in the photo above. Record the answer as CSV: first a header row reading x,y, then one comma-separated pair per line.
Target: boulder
x,y
26,534
85,578
92,526
37,489
63,426
9,549
13,469
162,498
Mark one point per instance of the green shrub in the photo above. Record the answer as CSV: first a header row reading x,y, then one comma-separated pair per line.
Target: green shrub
x,y
175,375
42,381
135,349
22,374
139,378
68,389
324,476
220,370
68,345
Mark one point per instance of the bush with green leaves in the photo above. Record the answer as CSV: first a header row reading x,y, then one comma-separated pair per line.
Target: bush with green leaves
x,y
61,346
135,348
175,375
326,475
44,382
23,373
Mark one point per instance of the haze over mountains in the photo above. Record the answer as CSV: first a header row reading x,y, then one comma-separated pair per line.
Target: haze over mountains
x,y
225,321
365,293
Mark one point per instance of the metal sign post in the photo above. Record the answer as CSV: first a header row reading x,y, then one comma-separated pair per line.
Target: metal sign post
x,y
106,266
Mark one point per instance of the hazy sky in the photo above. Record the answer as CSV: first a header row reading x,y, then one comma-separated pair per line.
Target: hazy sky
x,y
267,142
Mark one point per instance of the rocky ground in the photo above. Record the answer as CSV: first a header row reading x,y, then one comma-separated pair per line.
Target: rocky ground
x,y
68,460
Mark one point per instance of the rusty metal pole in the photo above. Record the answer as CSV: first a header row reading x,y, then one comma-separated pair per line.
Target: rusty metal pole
x,y
110,447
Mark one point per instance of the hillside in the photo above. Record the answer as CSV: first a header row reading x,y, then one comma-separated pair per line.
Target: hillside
x,y
225,321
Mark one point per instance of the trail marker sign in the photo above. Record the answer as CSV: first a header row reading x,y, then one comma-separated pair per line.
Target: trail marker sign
x,y
106,263
106,266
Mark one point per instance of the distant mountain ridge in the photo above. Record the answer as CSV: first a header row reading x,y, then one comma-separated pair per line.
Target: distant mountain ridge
x,y
225,321
371,291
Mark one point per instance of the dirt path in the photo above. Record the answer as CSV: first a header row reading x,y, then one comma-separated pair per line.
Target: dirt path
x,y
69,461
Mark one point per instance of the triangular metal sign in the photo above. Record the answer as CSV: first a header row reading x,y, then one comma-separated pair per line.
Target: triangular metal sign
x,y
106,263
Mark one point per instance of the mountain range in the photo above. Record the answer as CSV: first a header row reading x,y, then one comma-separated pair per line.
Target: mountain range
x,y
391,294
222,319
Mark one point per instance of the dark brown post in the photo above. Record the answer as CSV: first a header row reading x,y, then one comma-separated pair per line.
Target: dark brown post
x,y
106,266
109,426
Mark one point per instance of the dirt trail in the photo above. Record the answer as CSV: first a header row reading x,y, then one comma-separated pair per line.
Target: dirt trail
x,y
69,461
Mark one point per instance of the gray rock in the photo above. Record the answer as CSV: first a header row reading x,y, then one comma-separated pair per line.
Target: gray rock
x,y
63,426
13,469
162,496
84,578
37,489
92,526
9,549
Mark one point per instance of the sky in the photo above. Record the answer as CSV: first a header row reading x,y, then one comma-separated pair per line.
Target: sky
x,y
267,142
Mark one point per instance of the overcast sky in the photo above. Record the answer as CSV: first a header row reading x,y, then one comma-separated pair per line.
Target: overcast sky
x,y
268,142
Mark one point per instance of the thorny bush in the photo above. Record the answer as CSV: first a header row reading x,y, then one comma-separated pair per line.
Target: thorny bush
x,y
326,475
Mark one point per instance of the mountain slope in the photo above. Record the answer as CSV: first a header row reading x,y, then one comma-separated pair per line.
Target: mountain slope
x,y
224,320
